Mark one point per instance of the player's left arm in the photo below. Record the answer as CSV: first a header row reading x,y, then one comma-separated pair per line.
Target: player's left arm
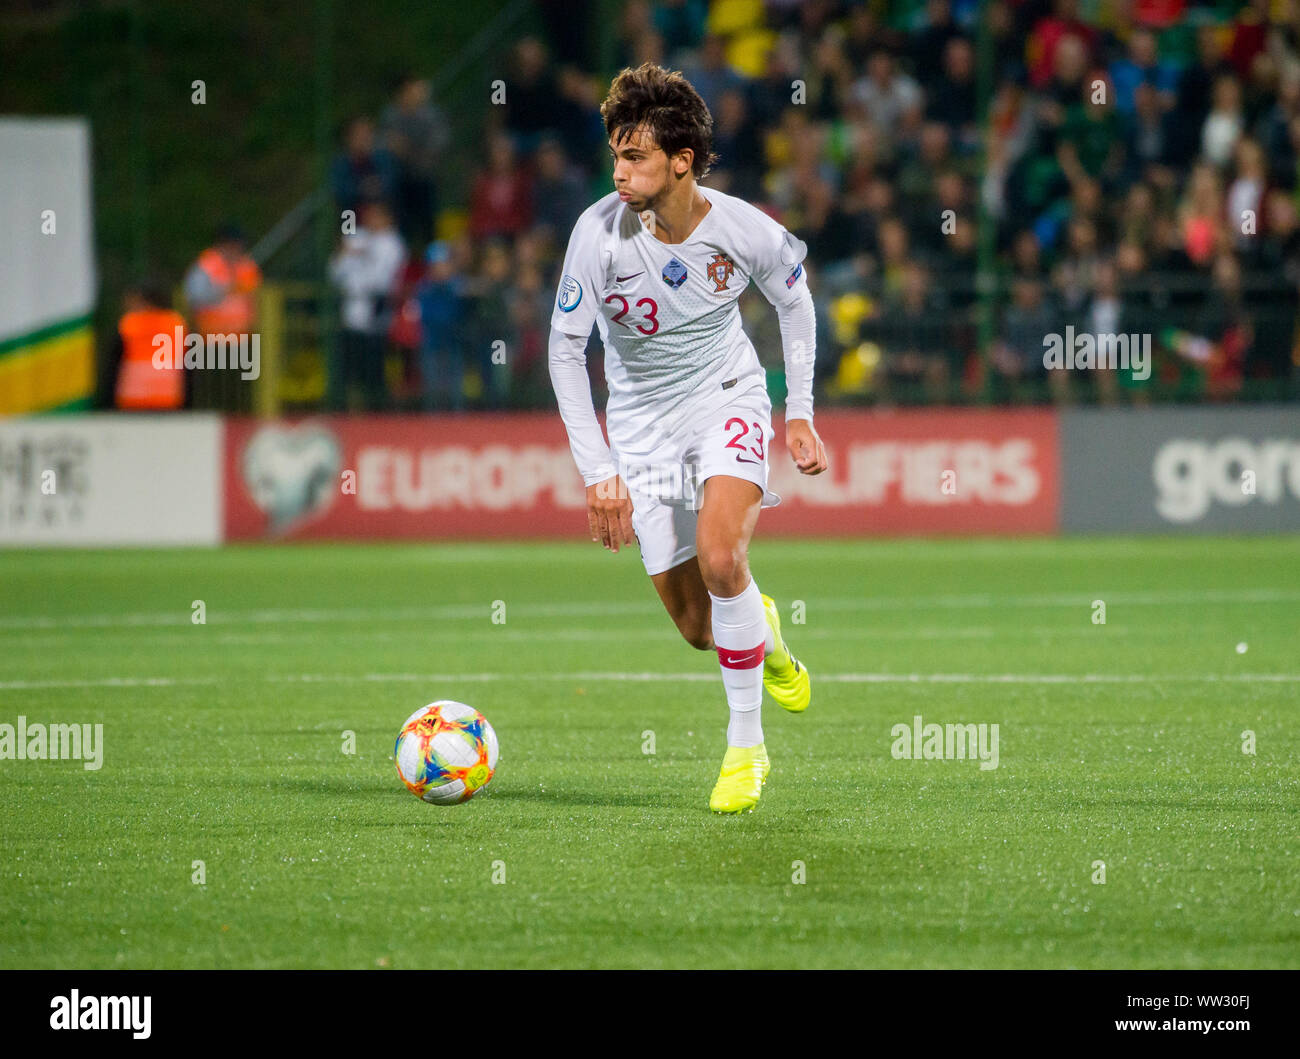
x,y
781,273
798,320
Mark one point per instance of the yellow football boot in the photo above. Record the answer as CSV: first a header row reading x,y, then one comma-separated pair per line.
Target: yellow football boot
x,y
740,783
784,676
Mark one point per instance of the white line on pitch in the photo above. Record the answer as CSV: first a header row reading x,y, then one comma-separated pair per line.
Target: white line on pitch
x,y
480,611
833,678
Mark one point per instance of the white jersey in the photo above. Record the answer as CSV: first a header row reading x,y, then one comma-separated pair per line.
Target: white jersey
x,y
667,312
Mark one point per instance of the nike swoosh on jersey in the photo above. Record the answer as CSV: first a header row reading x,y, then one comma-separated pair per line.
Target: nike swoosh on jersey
x,y
624,279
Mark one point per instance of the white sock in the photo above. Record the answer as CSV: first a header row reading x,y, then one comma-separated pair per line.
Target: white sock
x,y
740,635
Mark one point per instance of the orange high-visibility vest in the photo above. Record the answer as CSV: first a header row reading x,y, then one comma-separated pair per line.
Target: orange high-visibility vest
x,y
142,385
235,312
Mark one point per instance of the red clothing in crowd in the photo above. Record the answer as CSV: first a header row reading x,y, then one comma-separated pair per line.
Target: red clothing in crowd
x,y
501,205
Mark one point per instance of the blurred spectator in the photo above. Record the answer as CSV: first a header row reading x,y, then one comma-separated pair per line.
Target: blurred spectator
x,y
529,301
531,93
1245,200
141,385
1275,129
892,99
1017,354
864,34
824,226
576,119
416,133
635,21
1201,215
769,95
404,334
830,81
501,201
1075,274
913,333
1276,272
1008,44
1249,35
1050,33
559,191
738,146
711,74
442,327
953,94
1138,214
1142,66
1196,88
1216,351
365,269
363,171
1026,255
1225,122
1279,253
1090,144
1106,316
1150,137
221,286
490,333
647,48
1138,312
955,275
929,45
893,246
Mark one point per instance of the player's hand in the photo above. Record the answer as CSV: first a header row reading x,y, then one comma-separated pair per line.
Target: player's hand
x,y
806,448
609,513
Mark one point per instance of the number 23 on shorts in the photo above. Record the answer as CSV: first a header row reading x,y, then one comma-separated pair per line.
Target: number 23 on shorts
x,y
745,437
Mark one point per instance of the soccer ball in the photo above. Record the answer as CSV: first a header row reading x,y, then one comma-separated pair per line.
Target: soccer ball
x,y
446,752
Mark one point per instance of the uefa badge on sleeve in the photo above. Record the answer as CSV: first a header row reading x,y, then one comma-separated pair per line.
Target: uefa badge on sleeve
x,y
570,294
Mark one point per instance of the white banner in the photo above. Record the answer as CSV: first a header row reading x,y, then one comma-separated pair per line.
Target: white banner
x,y
47,255
111,480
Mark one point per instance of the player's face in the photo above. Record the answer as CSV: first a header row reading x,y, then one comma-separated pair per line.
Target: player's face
x,y
643,173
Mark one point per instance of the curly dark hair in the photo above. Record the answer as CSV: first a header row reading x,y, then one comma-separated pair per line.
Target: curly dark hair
x,y
668,106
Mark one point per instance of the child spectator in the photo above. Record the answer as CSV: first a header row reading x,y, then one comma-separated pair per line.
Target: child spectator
x,y
442,340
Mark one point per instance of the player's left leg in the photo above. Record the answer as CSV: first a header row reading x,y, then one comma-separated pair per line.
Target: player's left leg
x,y
682,591
728,515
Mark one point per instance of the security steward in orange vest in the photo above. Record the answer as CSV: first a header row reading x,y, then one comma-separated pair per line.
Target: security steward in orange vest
x,y
145,382
221,286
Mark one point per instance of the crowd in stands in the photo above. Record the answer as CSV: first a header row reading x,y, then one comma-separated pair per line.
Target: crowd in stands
x,y
1138,176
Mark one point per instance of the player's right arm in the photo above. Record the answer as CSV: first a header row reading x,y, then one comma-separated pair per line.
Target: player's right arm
x,y
609,509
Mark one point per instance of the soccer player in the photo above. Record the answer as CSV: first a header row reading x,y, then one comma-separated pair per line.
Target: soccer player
x,y
659,265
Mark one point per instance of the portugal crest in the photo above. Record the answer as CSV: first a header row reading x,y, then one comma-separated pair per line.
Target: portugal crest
x,y
720,269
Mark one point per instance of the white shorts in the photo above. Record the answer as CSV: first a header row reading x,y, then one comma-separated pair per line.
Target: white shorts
x,y
666,483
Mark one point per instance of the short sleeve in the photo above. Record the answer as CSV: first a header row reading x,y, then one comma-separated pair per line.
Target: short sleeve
x,y
581,280
777,264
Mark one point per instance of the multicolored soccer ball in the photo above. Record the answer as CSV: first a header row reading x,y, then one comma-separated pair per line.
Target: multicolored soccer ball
x,y
446,752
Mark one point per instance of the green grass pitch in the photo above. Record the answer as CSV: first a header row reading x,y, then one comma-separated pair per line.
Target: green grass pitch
x,y
223,743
